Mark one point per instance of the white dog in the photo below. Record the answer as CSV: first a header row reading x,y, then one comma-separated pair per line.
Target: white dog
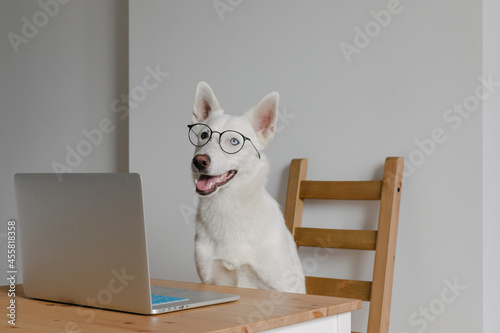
x,y
241,238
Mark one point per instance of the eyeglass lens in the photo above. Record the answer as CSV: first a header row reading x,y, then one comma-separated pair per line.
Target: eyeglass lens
x,y
230,141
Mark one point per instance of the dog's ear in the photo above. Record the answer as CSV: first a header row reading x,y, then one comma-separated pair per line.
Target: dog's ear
x,y
264,117
204,102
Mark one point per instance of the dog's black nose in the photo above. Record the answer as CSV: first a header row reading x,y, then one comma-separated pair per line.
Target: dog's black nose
x,y
201,162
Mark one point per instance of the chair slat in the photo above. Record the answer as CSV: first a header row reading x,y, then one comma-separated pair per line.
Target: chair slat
x,y
339,288
336,238
341,190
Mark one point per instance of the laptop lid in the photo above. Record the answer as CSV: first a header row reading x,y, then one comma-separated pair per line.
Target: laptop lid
x,y
83,240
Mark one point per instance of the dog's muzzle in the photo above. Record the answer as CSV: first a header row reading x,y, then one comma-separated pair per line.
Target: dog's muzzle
x,y
207,184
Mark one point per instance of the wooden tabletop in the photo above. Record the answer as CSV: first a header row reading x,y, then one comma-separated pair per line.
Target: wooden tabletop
x,y
257,310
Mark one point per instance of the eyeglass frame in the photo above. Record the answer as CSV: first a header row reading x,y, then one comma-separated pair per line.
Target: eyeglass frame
x,y
245,138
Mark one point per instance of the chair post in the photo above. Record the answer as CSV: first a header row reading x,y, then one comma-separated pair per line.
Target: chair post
x,y
380,303
294,204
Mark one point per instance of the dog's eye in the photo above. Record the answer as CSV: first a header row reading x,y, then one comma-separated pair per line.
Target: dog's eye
x,y
204,135
234,141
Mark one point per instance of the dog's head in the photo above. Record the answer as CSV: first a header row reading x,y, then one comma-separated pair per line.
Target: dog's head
x,y
228,148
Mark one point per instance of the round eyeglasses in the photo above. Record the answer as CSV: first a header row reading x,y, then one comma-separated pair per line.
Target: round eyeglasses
x,y
230,141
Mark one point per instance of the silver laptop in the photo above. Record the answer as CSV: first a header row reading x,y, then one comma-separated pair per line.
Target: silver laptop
x,y
83,241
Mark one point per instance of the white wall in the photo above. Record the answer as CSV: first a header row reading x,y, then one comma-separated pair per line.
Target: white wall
x,y
346,117
61,81
491,165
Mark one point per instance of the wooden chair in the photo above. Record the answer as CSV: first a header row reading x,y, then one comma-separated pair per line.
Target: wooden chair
x,y
383,241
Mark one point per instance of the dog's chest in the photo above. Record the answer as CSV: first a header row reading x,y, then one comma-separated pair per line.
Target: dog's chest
x,y
226,227
226,245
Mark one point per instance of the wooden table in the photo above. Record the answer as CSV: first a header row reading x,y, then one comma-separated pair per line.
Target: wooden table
x,y
257,310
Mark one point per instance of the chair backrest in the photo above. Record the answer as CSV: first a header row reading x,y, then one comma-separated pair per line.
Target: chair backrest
x,y
383,240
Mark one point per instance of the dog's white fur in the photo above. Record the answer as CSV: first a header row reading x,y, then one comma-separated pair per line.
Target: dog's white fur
x,y
241,238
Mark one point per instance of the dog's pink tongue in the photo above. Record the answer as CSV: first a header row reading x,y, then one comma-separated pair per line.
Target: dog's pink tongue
x,y
205,181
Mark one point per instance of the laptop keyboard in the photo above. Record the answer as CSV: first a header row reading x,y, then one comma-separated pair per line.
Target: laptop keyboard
x,y
160,299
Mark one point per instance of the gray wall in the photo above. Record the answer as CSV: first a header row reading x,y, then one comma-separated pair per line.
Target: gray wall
x,y
391,97
57,84
72,73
